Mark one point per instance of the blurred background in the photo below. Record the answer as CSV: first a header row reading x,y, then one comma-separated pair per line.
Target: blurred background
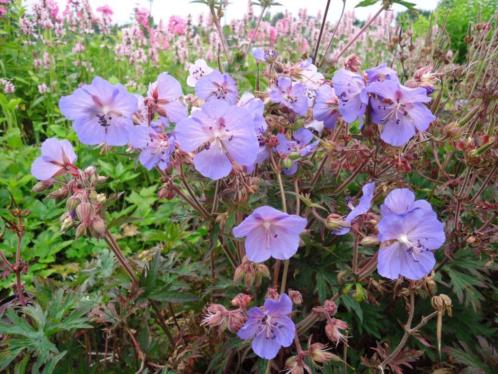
x,y
163,9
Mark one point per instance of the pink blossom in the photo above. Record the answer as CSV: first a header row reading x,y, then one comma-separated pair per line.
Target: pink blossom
x,y
105,10
142,16
177,25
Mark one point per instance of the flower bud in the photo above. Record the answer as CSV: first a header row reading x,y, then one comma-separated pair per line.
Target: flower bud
x,y
66,221
369,241
72,203
296,297
294,156
59,194
442,303
352,63
296,365
320,355
242,300
452,130
335,222
80,230
286,163
272,293
98,227
84,212
236,319
43,185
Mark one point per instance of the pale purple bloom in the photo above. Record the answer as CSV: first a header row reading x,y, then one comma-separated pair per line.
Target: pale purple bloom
x,y
217,86
196,71
409,232
326,106
293,96
222,134
155,144
400,110
349,89
259,54
363,207
301,145
270,233
256,108
269,327
57,157
164,95
381,73
101,112
264,55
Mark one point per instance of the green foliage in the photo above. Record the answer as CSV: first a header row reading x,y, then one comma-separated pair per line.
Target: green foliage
x,y
456,17
31,330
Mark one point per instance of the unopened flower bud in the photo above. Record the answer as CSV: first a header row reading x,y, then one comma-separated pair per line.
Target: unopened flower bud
x,y
442,303
369,241
66,221
294,156
80,230
320,355
242,300
72,202
296,297
352,63
98,227
59,194
84,212
330,307
452,130
43,185
335,222
236,319
272,293
286,163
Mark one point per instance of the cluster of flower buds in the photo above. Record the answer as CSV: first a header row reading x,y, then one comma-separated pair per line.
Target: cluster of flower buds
x,y
216,315
334,326
250,273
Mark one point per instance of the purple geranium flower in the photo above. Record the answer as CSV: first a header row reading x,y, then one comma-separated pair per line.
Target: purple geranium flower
x,y
269,327
57,157
301,145
101,112
349,89
381,73
326,106
270,233
409,232
363,207
400,110
215,86
293,96
155,144
222,134
258,54
196,71
164,95
256,108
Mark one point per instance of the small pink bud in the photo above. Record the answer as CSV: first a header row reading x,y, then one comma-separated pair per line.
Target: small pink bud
x,y
333,330
215,316
242,300
272,293
236,319
296,297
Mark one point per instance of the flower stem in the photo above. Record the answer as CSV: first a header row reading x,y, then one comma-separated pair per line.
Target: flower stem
x,y
366,26
333,34
402,342
322,27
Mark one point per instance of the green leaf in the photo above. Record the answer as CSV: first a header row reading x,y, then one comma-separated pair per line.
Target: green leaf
x,y
352,304
366,3
174,297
